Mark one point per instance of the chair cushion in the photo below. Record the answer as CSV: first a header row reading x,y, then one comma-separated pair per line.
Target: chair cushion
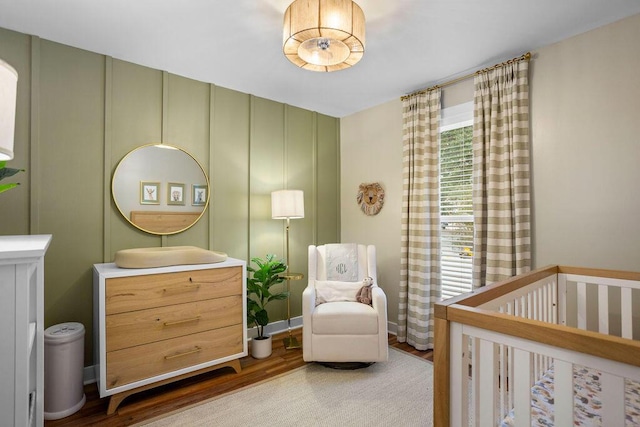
x,y
334,291
344,318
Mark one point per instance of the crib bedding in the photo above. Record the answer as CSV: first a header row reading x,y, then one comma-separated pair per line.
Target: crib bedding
x,y
586,400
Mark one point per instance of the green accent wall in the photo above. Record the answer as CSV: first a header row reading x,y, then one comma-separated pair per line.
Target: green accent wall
x,y
79,113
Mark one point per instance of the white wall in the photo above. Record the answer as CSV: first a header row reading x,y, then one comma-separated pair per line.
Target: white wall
x,y
371,151
585,131
585,122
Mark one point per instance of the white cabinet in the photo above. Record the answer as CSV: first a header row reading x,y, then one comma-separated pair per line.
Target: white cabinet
x,y
22,329
157,325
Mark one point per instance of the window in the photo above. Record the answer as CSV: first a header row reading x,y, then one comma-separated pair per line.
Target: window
x,y
456,212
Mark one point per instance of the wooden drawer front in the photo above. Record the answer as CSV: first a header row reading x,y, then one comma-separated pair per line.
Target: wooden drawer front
x,y
156,324
157,290
145,361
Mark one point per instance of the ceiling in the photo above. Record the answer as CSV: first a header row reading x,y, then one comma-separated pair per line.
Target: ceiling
x,y
410,44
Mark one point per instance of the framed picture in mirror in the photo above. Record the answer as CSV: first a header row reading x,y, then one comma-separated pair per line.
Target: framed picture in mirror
x,y
198,195
149,193
175,194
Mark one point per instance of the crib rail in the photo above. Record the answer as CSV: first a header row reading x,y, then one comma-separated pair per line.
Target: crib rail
x,y
506,335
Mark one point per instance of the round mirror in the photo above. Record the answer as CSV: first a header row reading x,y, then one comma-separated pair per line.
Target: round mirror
x,y
160,189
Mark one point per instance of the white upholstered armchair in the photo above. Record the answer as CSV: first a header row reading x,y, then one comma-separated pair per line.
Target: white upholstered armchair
x,y
336,327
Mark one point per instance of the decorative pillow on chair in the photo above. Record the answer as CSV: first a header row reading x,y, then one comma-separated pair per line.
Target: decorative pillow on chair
x,y
334,291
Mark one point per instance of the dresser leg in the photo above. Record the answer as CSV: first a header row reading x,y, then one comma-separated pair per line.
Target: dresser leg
x,y
235,364
116,399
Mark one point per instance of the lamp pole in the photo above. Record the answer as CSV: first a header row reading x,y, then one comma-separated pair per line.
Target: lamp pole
x,y
290,341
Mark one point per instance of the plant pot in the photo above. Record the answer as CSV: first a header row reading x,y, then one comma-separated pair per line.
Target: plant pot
x,y
261,347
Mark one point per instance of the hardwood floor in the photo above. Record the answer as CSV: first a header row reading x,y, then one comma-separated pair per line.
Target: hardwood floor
x,y
170,397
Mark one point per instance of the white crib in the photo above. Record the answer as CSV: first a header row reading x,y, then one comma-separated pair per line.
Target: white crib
x,y
555,345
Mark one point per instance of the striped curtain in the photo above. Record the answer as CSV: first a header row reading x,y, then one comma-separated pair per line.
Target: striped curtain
x,y
501,195
420,241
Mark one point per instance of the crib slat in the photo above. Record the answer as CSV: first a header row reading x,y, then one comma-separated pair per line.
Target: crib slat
x,y
563,389
612,397
562,299
502,378
627,320
603,309
488,378
457,375
554,302
582,305
522,388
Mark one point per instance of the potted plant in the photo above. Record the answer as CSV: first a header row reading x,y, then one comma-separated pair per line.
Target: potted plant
x,y
259,294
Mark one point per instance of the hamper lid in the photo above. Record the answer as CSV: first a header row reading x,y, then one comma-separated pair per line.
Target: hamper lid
x,y
64,332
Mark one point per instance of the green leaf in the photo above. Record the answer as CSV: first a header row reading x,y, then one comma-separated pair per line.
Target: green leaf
x,y
5,187
262,317
7,172
280,296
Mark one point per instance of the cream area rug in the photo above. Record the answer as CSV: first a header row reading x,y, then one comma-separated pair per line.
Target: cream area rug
x,y
394,393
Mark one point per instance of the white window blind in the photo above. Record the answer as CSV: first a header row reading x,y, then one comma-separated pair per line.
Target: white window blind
x,y
456,211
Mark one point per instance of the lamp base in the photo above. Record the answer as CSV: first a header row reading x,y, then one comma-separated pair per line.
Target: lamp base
x,y
291,343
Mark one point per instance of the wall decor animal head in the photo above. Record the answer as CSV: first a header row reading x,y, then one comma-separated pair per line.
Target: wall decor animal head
x,y
370,198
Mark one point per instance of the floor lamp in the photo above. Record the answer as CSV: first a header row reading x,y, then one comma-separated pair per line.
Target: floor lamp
x,y
288,204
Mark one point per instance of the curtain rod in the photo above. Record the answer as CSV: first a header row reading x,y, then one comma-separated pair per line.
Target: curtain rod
x,y
525,57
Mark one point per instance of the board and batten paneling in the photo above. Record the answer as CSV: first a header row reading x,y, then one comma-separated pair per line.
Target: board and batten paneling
x,y
229,175
68,177
79,113
299,175
186,125
135,117
327,191
15,49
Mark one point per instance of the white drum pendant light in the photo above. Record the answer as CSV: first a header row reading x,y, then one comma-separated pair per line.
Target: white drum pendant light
x,y
8,89
324,35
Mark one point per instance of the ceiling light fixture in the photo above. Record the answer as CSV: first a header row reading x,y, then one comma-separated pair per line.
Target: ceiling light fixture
x,y
323,35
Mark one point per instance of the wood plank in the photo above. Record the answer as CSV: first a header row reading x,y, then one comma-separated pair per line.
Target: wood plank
x,y
145,361
441,363
164,222
135,328
593,343
157,290
598,272
493,291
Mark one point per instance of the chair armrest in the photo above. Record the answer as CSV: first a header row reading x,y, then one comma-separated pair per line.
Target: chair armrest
x,y
308,305
308,299
379,301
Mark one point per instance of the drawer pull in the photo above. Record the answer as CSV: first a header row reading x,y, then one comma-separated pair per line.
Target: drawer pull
x,y
186,353
180,322
187,288
203,282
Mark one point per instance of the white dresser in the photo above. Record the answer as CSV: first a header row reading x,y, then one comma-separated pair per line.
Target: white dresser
x,y
22,329
157,325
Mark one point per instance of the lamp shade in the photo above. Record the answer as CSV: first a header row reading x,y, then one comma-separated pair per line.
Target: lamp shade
x,y
287,204
323,35
8,90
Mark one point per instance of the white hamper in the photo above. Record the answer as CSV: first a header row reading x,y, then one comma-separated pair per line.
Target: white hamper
x,y
63,370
